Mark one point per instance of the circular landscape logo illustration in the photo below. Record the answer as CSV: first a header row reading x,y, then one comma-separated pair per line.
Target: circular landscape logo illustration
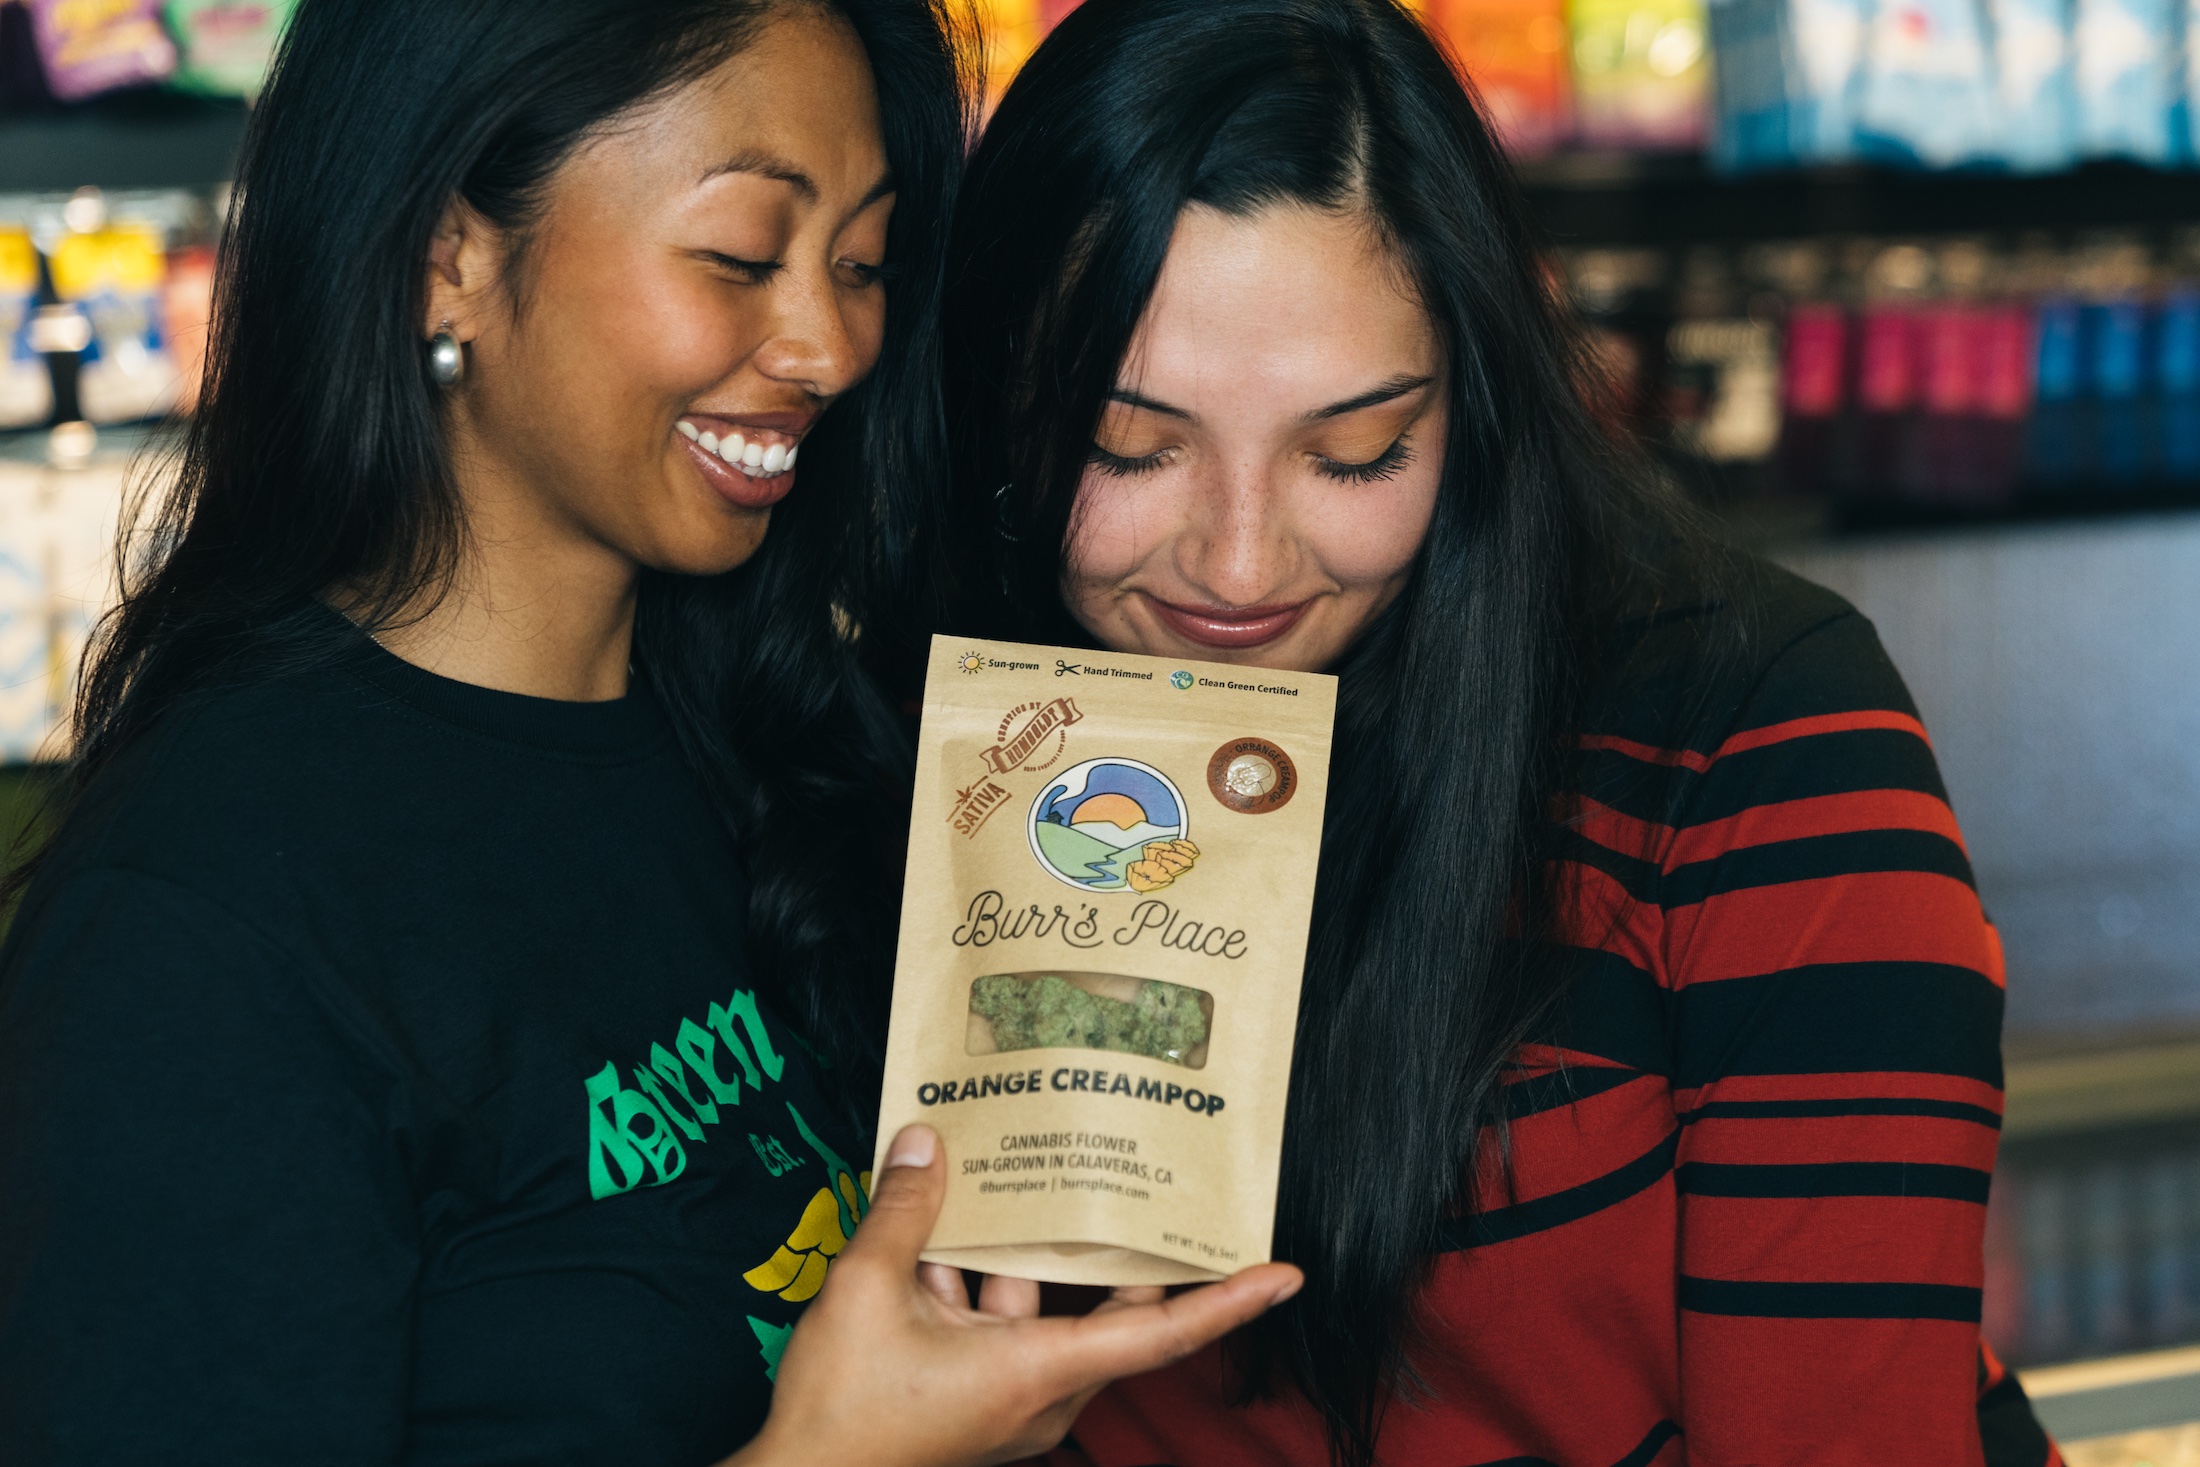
x,y
1111,825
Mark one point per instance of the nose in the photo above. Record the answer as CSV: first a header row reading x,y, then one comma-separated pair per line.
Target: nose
x,y
813,344
1239,549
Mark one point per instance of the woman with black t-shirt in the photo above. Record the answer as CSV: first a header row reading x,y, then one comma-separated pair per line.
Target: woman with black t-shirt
x,y
1647,1082
441,1028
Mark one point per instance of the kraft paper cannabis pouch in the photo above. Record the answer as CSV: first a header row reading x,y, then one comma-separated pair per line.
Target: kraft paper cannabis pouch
x,y
1111,872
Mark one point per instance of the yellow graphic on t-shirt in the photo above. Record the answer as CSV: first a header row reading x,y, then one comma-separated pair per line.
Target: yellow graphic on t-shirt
x,y
796,1269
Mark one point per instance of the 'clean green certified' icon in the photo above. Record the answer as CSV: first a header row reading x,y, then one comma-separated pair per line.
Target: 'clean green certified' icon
x,y
1180,680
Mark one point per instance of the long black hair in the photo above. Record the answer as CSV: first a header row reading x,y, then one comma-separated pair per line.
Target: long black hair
x,y
1454,706
316,462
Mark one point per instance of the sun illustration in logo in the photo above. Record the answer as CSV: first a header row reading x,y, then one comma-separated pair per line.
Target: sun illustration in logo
x,y
1111,825
970,662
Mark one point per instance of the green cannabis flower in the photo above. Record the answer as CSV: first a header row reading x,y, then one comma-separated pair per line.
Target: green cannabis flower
x,y
1163,1022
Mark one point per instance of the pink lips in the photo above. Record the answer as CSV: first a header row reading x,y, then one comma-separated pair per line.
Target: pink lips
x,y
1229,627
735,486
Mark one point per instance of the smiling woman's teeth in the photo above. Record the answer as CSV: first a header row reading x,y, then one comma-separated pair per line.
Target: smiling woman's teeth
x,y
753,459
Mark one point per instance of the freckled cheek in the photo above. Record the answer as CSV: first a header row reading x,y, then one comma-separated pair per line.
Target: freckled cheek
x,y
1371,536
1113,531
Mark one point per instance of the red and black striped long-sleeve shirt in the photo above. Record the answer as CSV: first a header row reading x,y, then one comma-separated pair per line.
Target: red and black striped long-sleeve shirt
x,y
1748,1191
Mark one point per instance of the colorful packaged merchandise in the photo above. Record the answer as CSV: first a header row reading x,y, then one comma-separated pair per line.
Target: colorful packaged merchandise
x,y
2126,81
93,46
2032,98
116,274
227,45
1514,53
24,713
26,386
1926,96
80,512
1641,72
2177,378
1012,30
1786,74
187,314
2055,454
1110,886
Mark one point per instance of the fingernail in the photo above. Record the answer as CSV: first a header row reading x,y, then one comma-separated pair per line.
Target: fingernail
x,y
915,1146
1286,1291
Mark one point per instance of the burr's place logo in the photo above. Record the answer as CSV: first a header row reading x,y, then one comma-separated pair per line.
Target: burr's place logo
x,y
1111,825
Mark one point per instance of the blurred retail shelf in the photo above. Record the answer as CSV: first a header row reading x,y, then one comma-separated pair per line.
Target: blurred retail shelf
x,y
2139,1081
2175,1446
2125,1411
130,140
2093,1248
1677,198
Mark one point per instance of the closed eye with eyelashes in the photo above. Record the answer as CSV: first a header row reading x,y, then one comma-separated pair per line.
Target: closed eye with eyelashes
x,y
760,272
1382,466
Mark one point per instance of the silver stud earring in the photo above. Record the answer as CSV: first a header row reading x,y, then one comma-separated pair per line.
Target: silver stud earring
x,y
446,358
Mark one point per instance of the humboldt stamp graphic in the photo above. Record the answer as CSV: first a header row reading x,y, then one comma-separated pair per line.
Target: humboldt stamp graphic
x,y
1032,736
1111,825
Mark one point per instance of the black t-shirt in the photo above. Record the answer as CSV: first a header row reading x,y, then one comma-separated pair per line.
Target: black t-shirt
x,y
381,1081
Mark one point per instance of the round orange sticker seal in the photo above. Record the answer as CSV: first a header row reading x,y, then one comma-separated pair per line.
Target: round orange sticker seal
x,y
1252,776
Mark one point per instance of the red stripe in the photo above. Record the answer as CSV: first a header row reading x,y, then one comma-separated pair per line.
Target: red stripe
x,y
1647,753
1841,814
1758,738
1824,723
1600,914
1630,836
1835,1240
1853,1085
1820,1392
1531,1060
1862,917
1573,1145
1787,1140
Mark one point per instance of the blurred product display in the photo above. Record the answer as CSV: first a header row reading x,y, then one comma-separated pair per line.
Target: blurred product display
x,y
93,46
59,515
61,51
1965,374
104,302
2093,1244
226,45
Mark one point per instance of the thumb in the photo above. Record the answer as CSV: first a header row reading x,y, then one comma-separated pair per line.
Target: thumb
x,y
905,1202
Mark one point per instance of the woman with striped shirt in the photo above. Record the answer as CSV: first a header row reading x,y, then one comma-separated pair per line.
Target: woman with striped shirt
x,y
1648,1081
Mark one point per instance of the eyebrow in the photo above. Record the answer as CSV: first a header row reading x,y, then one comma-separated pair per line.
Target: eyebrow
x,y
1133,399
1395,388
1390,391
779,170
